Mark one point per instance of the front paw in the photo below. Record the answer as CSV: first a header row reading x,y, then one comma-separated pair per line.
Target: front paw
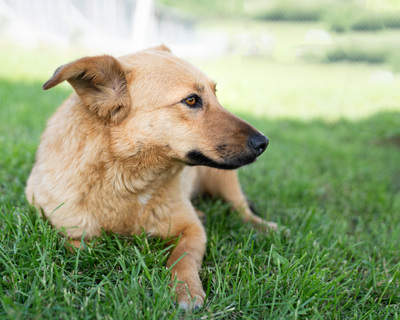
x,y
190,294
261,224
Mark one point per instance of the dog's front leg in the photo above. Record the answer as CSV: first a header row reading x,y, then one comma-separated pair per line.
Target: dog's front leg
x,y
186,260
225,184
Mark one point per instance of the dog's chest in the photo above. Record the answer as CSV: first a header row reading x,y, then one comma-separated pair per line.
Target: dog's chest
x,y
127,211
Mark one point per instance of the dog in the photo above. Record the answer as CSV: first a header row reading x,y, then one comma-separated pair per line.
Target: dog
x,y
140,136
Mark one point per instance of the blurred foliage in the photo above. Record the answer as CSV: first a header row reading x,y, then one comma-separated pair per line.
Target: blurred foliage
x,y
349,18
369,49
340,15
358,53
299,13
373,22
287,10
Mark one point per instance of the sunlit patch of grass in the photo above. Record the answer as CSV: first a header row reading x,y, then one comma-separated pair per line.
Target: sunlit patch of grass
x,y
303,91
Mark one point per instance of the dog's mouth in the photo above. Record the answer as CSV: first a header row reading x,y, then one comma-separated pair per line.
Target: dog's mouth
x,y
197,158
228,158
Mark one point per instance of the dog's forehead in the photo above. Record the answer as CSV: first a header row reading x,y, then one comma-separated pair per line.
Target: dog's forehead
x,y
165,66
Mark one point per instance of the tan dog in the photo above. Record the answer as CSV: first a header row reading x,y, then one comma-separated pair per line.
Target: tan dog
x,y
127,151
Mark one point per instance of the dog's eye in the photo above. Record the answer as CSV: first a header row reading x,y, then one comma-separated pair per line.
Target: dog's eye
x,y
193,101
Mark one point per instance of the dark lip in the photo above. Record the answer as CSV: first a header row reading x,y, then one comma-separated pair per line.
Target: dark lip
x,y
197,158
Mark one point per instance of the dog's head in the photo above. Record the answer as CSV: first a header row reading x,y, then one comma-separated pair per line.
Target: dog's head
x,y
154,98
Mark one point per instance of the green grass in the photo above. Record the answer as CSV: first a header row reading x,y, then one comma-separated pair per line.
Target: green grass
x,y
331,175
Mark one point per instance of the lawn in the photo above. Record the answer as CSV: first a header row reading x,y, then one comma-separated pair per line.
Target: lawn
x,y
331,175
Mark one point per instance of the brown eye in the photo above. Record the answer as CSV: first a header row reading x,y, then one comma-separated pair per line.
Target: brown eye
x,y
191,101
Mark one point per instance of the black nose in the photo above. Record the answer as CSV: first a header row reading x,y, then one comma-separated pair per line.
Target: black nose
x,y
258,143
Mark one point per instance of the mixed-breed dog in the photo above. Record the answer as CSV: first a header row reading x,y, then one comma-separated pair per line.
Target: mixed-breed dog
x,y
138,139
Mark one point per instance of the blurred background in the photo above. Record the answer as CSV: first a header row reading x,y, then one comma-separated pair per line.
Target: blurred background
x,y
286,30
301,51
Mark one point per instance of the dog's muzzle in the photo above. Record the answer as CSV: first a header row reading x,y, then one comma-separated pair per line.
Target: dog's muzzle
x,y
255,146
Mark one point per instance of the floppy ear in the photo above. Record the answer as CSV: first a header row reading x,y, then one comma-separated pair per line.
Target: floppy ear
x,y
101,84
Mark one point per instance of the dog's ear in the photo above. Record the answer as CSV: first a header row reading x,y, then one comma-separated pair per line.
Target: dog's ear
x,y
161,47
101,84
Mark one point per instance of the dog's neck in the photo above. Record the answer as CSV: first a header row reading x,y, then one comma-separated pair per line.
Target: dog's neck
x,y
146,167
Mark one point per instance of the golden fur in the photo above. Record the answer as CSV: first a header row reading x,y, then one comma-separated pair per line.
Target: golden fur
x,y
115,155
